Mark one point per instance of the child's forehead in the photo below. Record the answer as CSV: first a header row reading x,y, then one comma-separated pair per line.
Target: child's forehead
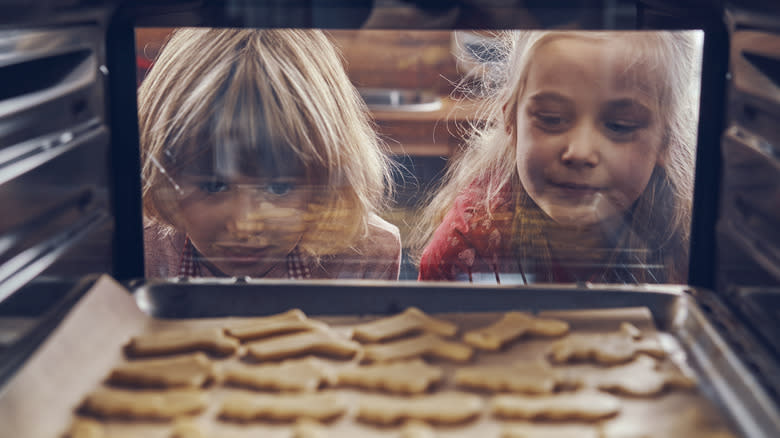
x,y
619,64
236,163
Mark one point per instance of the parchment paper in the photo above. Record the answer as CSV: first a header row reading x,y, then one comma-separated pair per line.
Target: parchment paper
x,y
41,400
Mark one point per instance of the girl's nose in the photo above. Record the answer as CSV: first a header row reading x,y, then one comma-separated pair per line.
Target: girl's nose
x,y
582,148
245,204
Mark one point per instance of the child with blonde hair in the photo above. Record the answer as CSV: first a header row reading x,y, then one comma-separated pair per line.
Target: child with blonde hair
x,y
259,160
582,168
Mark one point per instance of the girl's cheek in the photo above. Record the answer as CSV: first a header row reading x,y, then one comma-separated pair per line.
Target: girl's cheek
x,y
202,218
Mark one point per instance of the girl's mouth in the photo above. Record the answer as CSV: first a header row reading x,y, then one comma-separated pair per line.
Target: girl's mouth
x,y
576,189
242,251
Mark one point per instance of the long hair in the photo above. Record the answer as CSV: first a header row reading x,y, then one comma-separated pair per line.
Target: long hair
x,y
659,218
274,101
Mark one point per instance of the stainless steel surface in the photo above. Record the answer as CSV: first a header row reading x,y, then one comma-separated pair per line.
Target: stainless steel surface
x,y
749,241
724,378
747,236
754,56
54,155
390,99
52,82
58,198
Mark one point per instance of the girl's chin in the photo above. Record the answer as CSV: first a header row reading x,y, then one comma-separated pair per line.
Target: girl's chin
x,y
601,212
243,267
581,217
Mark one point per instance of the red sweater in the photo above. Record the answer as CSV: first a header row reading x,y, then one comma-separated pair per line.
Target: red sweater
x,y
471,239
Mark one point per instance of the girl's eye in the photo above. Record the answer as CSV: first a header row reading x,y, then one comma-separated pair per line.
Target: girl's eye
x,y
550,121
214,186
279,188
622,127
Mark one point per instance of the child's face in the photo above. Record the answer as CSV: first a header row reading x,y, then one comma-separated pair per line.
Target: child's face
x,y
243,226
589,132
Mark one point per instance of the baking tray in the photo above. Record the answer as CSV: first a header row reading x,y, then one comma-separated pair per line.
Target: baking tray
x,y
108,316
724,377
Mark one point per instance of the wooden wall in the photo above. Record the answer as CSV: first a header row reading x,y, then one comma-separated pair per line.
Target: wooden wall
x,y
407,59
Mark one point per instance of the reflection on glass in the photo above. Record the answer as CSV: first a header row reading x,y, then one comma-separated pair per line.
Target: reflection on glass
x,y
583,169
568,155
259,160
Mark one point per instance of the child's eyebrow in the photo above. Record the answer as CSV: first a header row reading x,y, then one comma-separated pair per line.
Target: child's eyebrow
x,y
549,97
633,106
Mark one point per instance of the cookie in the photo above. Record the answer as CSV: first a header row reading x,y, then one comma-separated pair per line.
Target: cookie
x,y
426,345
283,407
631,330
143,405
407,377
441,408
512,326
607,349
288,322
191,370
523,377
308,428
417,429
548,431
409,321
212,340
641,377
85,428
576,406
186,428
292,375
313,342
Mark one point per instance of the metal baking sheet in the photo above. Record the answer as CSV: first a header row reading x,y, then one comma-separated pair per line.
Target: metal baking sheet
x,y
86,346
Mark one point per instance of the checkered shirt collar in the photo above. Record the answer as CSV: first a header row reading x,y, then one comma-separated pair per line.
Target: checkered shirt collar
x,y
190,264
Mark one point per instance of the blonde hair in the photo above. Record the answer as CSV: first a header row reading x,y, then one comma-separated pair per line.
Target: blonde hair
x,y
280,96
662,213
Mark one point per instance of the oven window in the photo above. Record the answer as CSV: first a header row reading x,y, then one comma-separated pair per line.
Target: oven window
x,y
511,157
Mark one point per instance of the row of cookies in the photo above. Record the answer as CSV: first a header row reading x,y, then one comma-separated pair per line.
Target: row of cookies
x,y
642,376
311,411
312,337
387,339
446,407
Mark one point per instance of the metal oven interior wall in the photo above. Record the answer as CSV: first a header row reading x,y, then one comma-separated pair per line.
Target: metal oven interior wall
x,y
54,152
747,236
56,222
